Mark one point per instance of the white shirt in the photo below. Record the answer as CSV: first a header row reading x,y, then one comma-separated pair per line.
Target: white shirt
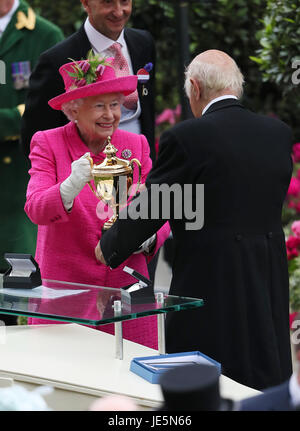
x,y
100,45
217,99
4,20
294,389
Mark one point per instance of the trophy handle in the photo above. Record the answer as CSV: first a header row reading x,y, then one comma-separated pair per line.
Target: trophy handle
x,y
140,172
89,183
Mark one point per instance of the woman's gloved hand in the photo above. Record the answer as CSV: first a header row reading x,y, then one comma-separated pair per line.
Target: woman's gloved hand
x,y
72,186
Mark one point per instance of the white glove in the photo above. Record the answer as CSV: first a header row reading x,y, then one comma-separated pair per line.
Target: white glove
x,y
147,245
72,186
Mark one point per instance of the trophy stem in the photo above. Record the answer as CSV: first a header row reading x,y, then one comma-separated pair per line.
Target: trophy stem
x,y
108,224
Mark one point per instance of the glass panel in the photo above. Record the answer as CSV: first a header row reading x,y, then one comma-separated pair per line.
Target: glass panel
x,y
82,303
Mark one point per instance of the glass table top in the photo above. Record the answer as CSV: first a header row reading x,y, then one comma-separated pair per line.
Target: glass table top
x,y
84,304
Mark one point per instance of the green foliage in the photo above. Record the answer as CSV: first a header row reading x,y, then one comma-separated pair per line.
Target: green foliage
x,y
66,14
279,40
231,26
228,25
279,48
288,215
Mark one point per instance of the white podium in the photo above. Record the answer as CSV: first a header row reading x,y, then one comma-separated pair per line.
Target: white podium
x,y
79,363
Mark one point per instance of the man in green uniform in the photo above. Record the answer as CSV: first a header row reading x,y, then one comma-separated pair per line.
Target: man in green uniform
x,y
23,37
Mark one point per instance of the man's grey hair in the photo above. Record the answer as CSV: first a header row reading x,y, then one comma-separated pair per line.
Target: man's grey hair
x,y
214,79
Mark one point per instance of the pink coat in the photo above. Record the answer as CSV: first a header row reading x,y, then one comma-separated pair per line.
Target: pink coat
x,y
66,241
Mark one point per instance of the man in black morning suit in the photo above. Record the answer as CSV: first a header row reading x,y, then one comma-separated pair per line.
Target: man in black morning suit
x,y
108,19
237,261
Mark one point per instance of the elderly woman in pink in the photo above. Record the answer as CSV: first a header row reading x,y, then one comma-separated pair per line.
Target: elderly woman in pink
x,y
59,200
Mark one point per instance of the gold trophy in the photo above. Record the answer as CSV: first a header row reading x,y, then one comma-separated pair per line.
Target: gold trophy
x,y
113,179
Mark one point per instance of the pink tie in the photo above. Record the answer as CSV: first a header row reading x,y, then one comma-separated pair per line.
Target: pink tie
x,y
121,68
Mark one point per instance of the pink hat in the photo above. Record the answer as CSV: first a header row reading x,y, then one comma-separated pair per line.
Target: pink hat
x,y
104,81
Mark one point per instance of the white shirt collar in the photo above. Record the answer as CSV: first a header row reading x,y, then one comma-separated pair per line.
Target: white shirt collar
x,y
4,21
217,99
294,389
98,41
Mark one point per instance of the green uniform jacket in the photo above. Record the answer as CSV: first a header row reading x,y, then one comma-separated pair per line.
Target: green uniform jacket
x,y
24,39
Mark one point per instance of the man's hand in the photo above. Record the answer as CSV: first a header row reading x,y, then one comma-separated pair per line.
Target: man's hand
x,y
98,254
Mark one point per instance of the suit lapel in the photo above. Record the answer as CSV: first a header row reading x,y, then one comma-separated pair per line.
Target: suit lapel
x,y
83,44
137,56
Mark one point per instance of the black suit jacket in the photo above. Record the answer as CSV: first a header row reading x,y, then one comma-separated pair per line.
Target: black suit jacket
x,y
237,262
46,82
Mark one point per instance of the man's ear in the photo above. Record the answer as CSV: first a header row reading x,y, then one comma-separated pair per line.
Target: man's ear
x,y
84,4
195,89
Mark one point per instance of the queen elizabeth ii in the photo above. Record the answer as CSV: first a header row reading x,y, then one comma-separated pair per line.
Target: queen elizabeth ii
x,y
58,199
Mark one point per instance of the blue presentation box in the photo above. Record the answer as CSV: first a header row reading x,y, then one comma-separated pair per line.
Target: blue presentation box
x,y
151,368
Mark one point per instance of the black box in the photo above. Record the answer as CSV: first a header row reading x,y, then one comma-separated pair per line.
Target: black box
x,y
137,293
24,272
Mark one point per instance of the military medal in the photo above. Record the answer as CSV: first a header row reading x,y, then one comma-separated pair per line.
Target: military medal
x,y
20,74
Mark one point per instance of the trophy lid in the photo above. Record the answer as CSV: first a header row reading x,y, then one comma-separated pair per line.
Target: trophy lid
x,y
112,165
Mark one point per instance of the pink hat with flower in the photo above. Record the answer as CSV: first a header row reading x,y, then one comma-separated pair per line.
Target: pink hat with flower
x,y
91,77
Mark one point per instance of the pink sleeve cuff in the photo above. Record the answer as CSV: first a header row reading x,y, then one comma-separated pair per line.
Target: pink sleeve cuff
x,y
161,235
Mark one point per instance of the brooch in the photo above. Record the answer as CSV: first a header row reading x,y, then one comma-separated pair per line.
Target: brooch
x,y
144,76
126,153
